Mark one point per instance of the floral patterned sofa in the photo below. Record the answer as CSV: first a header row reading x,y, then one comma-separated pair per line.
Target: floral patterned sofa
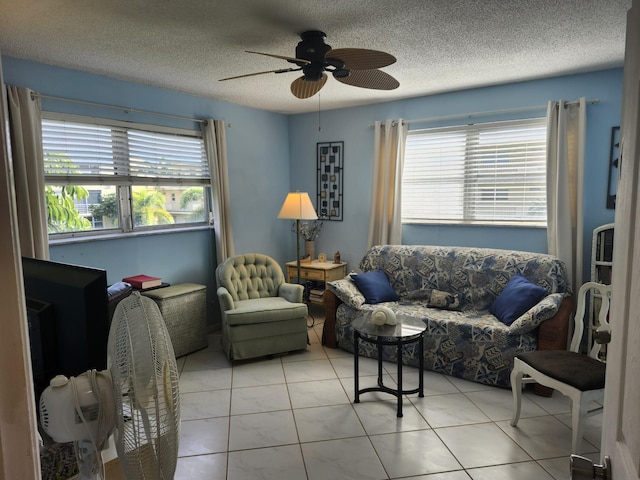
x,y
463,338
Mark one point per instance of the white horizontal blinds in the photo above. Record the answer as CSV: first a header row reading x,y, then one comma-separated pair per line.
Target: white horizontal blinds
x,y
506,172
486,173
92,153
433,176
159,155
77,149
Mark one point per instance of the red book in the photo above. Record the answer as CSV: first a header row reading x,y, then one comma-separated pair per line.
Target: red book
x,y
143,281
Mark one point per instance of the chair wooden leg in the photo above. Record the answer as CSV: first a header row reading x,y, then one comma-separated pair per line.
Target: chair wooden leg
x,y
578,415
516,390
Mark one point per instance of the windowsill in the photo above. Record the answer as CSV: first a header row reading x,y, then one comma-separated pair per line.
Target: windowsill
x,y
119,235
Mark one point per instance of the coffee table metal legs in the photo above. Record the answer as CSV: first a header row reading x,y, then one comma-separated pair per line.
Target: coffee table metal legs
x,y
356,336
421,366
398,392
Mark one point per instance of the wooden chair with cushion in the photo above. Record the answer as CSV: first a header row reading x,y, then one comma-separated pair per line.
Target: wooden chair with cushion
x,y
576,375
261,313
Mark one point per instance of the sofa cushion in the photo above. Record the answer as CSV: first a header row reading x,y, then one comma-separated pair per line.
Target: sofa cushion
x,y
517,297
375,287
446,300
434,298
347,291
264,310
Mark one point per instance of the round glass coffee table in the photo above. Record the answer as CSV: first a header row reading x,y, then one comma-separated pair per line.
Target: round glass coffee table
x,y
407,330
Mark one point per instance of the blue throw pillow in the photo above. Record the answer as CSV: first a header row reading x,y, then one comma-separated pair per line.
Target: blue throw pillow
x,y
517,297
375,287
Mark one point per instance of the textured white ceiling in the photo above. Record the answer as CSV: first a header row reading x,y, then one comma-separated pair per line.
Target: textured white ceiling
x,y
441,45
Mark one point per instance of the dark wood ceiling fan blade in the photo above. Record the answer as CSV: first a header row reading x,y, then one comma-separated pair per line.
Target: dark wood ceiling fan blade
x,y
280,70
302,88
374,79
299,61
361,58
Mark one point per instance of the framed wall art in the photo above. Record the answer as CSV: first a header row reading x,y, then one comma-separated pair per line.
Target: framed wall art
x,y
330,204
614,163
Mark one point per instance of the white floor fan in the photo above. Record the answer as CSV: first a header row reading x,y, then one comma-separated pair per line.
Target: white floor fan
x,y
136,399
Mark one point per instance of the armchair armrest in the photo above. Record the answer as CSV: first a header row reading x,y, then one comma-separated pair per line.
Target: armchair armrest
x,y
291,292
226,301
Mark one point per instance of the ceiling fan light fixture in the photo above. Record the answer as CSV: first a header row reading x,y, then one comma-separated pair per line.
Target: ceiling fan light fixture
x,y
334,62
341,73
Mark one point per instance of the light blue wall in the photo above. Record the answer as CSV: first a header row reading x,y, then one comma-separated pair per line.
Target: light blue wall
x,y
353,127
258,154
271,154
180,257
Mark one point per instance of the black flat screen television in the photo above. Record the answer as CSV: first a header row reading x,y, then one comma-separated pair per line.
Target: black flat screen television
x,y
79,309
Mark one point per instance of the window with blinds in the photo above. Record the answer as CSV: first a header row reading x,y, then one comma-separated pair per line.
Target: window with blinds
x,y
103,175
492,173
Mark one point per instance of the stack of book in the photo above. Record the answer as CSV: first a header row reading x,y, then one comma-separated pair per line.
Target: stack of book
x,y
143,282
316,294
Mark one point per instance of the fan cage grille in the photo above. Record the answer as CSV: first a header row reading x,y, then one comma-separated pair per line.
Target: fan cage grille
x,y
145,379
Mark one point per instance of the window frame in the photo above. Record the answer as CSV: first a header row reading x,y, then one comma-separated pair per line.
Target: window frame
x,y
470,159
124,184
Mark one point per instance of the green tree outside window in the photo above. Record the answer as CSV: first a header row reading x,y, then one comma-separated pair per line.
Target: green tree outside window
x,y
62,215
149,208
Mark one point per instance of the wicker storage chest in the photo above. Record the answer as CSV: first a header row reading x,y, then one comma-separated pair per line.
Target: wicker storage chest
x,y
184,309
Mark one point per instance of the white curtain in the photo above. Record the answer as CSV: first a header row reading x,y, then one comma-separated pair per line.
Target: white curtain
x,y
215,142
385,222
566,129
25,116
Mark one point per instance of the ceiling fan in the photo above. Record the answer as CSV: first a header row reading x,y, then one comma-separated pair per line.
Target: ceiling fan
x,y
352,66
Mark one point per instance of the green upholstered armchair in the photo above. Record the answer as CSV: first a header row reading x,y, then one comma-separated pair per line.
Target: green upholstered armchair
x,y
261,313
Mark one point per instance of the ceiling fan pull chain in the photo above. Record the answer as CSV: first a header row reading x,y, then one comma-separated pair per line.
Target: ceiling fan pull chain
x,y
319,127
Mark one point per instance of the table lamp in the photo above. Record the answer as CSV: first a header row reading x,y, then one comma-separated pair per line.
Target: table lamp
x,y
297,206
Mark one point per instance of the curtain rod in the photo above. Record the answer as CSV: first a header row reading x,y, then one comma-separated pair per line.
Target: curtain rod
x,y
490,112
115,107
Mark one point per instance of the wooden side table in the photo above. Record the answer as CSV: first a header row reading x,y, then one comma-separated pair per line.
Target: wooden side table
x,y
318,271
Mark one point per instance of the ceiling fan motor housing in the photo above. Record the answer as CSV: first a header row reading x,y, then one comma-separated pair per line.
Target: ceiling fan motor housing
x,y
313,48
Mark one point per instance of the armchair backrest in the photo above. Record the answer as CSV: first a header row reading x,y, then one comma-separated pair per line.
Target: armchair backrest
x,y
248,276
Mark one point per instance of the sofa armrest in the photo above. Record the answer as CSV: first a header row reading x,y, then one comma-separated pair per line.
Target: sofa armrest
x,y
331,304
553,334
291,292
542,311
226,301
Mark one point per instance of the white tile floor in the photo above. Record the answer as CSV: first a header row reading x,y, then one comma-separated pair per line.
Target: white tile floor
x,y
292,417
